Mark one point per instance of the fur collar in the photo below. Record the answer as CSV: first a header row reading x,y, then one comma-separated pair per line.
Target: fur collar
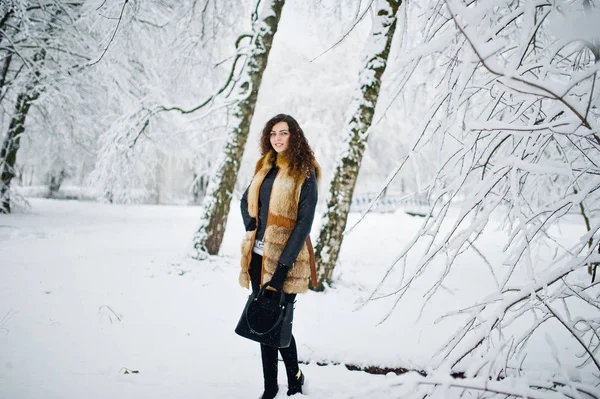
x,y
282,161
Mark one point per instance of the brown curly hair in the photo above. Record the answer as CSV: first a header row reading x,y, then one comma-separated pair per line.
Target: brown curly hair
x,y
302,158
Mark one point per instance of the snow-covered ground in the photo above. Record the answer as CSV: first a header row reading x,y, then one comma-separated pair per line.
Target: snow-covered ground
x,y
89,291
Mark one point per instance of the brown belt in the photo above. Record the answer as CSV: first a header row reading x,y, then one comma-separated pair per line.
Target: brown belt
x,y
313,263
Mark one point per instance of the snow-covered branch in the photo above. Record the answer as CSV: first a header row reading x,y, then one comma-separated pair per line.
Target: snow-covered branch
x,y
511,118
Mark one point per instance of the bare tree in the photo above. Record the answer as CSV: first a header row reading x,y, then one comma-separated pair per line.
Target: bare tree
x,y
354,138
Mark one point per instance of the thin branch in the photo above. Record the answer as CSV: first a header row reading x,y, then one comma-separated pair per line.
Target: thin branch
x,y
240,38
549,92
209,99
525,294
587,110
557,317
532,391
254,16
101,5
485,164
113,35
347,33
142,131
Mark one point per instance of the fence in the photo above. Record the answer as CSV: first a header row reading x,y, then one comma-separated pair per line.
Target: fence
x,y
390,202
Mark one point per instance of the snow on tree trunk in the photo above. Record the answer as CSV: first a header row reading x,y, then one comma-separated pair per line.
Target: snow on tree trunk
x,y
217,201
16,128
28,32
354,139
10,147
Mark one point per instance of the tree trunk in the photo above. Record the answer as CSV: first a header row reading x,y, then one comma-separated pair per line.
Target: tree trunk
x,y
54,183
354,139
4,73
8,56
217,200
10,146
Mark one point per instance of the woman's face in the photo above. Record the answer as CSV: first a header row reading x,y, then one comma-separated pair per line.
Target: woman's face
x,y
280,136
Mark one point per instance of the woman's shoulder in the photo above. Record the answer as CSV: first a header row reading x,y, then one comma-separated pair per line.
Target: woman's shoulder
x,y
313,177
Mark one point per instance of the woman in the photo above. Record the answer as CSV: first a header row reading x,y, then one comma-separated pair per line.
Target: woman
x,y
278,209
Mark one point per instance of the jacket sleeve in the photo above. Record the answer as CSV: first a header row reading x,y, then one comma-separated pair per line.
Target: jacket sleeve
x,y
249,222
304,221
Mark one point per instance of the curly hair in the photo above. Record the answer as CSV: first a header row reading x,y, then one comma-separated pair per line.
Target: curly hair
x,y
302,158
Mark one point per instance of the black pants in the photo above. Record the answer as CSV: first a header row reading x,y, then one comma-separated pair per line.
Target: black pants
x,y
269,353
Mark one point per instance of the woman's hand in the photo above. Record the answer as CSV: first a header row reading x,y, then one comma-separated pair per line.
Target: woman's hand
x,y
279,277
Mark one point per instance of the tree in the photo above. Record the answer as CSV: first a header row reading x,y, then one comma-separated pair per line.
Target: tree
x,y
514,128
11,143
217,201
34,38
354,139
114,58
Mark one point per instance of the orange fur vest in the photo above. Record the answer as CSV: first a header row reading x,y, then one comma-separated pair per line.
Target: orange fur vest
x,y
283,211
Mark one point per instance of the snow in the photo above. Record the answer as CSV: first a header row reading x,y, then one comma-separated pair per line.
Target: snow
x,y
91,290
88,289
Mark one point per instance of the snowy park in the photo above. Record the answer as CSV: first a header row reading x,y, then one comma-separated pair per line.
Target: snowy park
x,y
432,167
93,290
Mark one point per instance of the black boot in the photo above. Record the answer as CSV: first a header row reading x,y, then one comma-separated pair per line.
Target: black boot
x,y
270,393
295,383
269,363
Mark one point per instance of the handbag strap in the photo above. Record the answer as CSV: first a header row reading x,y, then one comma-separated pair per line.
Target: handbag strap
x,y
313,263
281,312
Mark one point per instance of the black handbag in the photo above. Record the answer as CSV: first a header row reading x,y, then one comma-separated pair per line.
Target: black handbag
x,y
267,318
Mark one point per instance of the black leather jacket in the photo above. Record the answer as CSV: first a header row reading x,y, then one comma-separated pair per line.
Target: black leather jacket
x,y
304,220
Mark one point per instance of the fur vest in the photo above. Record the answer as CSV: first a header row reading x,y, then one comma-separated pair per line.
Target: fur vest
x,y
283,211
